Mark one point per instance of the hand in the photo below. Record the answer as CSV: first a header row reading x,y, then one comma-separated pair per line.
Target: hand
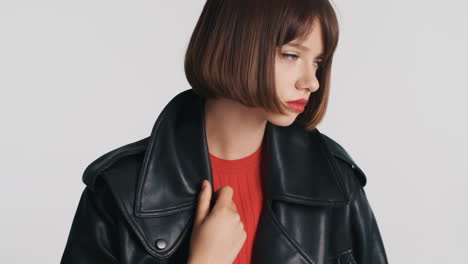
x,y
217,235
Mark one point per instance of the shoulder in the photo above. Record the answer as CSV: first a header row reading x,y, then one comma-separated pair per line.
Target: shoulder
x,y
129,155
343,159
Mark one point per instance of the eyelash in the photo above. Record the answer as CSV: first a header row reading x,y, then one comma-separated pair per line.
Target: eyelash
x,y
319,63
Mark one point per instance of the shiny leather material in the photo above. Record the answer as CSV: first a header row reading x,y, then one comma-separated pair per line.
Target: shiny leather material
x,y
140,199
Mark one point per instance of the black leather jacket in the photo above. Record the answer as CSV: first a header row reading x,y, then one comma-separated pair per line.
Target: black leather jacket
x,y
140,199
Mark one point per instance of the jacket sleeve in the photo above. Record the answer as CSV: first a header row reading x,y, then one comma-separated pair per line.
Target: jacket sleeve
x,y
368,247
92,235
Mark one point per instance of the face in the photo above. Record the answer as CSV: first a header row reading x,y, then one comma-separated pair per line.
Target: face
x,y
296,66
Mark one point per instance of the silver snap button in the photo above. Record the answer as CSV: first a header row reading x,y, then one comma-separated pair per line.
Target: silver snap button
x,y
352,166
161,243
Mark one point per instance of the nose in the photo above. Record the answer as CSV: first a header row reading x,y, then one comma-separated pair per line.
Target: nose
x,y
309,80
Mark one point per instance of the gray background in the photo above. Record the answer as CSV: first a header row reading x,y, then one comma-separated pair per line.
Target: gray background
x,y
80,78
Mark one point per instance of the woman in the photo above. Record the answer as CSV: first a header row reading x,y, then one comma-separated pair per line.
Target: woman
x,y
276,190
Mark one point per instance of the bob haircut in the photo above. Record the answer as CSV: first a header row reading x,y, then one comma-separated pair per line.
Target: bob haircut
x,y
232,51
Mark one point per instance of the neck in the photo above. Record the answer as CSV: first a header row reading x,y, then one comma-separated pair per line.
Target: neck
x,y
233,130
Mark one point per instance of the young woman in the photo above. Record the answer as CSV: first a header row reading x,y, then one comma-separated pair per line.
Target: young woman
x,y
275,189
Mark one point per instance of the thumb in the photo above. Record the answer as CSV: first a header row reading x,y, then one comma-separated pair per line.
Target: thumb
x,y
204,200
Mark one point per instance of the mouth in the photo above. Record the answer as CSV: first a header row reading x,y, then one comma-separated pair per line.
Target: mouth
x,y
297,107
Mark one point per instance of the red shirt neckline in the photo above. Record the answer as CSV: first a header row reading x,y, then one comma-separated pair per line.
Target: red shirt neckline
x,y
250,160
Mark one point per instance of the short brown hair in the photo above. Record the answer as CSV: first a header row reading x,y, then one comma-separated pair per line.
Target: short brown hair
x,y
232,51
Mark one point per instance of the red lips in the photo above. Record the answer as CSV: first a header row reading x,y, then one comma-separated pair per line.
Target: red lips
x,y
298,105
299,101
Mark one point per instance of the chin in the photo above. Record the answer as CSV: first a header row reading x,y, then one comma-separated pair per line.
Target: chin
x,y
282,120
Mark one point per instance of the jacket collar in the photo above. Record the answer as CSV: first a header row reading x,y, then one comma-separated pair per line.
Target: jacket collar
x,y
299,165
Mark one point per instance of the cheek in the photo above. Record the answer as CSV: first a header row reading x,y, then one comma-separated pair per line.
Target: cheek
x,y
284,78
282,83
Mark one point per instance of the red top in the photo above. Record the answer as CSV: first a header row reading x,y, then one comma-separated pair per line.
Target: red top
x,y
244,176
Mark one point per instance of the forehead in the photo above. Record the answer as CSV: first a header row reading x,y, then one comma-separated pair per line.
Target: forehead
x,y
312,42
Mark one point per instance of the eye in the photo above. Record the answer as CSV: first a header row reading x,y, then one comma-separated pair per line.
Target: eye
x,y
288,55
294,57
319,64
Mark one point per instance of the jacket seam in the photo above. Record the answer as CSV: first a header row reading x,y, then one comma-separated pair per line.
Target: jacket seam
x,y
287,236
341,253
305,200
354,193
109,216
166,211
107,162
332,164
139,233
355,168
137,230
112,214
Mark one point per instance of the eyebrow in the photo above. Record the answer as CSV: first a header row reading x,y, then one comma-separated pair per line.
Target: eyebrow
x,y
302,47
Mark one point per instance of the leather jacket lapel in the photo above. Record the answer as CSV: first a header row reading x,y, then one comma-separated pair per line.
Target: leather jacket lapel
x,y
299,166
176,160
306,175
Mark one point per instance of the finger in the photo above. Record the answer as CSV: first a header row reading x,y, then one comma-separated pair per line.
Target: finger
x,y
203,206
225,194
